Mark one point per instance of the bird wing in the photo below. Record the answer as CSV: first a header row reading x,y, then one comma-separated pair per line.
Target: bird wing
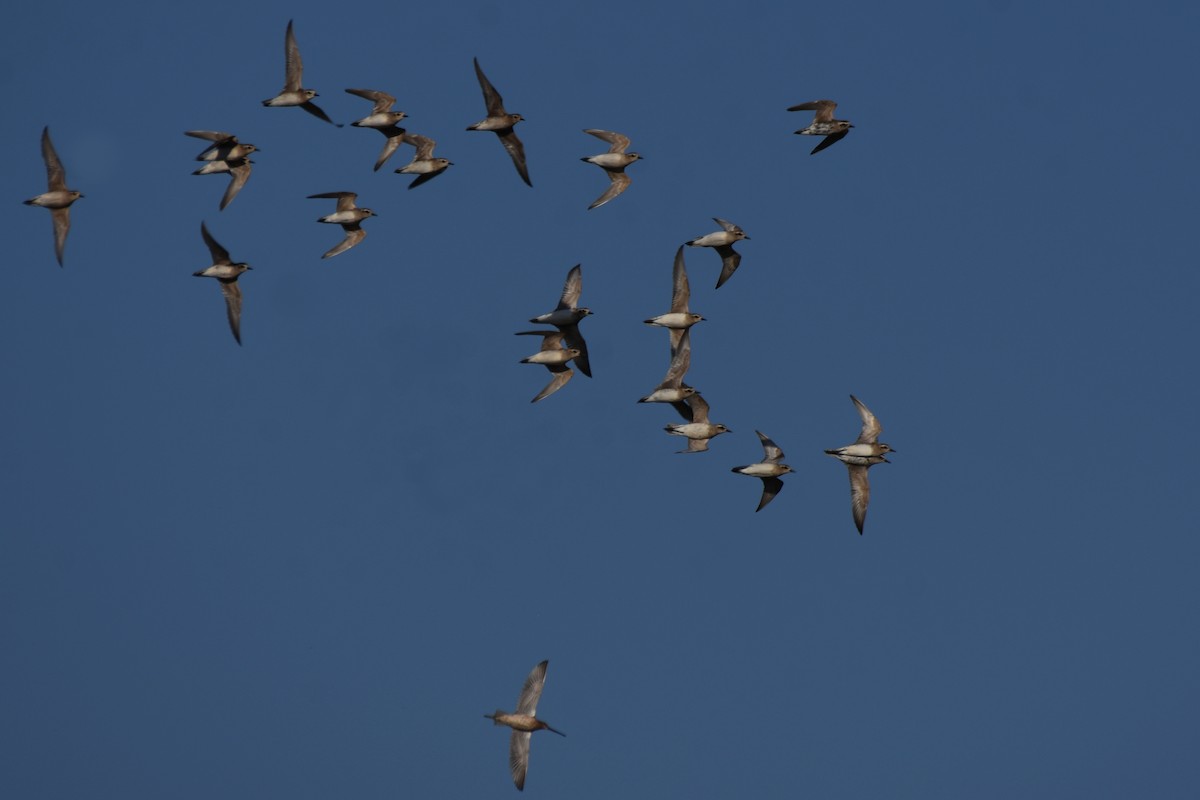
x,y
531,692
354,235
518,756
575,340
771,452
233,307
495,103
220,137
61,217
394,137
699,408
871,427
727,225
423,144
832,138
771,487
239,173
824,109
617,141
516,151
56,176
730,260
382,100
860,494
680,290
294,67
219,254
620,182
572,288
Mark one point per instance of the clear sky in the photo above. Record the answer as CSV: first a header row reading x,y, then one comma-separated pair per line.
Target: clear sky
x,y
306,567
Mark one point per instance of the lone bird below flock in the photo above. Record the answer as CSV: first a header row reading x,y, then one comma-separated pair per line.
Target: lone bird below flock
x,y
859,457
58,198
227,272
823,124
523,723
348,215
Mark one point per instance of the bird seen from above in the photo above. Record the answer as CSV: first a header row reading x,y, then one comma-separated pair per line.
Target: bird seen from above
x,y
226,271
501,123
382,119
823,123
613,162
58,198
866,452
722,241
524,722
348,215
423,164
554,357
293,94
769,469
566,317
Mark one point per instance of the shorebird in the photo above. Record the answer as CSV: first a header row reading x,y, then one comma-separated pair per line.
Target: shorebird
x,y
614,163
679,319
554,357
238,170
823,123
423,164
722,241
292,93
224,147
58,198
699,430
501,123
227,272
566,317
672,389
769,469
859,457
348,215
382,119
524,722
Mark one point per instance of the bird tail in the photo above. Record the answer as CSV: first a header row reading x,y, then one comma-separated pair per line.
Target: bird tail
x,y
492,717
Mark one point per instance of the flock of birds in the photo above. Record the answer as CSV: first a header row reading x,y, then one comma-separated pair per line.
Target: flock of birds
x,y
562,342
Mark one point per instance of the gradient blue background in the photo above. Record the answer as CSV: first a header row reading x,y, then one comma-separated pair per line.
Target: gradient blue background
x,y
306,567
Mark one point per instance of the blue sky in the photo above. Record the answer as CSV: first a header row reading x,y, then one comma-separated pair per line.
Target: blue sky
x,y
306,567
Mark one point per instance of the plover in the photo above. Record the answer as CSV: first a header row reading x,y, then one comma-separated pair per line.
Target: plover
x,y
679,319
554,357
501,123
699,430
524,722
613,162
382,119
823,123
238,170
769,469
224,147
227,272
348,215
566,317
859,457
292,93
722,241
672,389
58,198
423,164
